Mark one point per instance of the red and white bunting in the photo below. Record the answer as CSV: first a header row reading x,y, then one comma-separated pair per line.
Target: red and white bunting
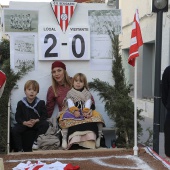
x,y
63,12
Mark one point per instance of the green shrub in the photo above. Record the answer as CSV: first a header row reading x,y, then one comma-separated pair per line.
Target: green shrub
x,y
118,104
12,78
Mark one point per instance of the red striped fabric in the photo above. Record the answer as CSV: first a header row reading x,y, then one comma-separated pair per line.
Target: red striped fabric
x,y
2,78
136,40
2,82
63,13
69,14
59,17
55,11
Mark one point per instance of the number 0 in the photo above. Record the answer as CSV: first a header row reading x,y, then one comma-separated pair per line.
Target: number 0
x,y
78,36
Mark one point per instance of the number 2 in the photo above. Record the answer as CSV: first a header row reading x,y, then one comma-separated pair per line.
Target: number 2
x,y
47,53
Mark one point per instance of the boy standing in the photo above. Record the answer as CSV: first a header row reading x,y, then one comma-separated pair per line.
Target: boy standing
x,y
30,114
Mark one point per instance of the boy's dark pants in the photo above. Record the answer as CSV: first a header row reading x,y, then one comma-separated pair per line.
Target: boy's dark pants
x,y
167,134
19,130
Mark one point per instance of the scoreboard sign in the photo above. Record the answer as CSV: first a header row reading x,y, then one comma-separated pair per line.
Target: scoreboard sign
x,y
62,41
76,43
60,30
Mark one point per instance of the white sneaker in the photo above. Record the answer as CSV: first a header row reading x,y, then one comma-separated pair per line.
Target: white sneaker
x,y
35,146
98,142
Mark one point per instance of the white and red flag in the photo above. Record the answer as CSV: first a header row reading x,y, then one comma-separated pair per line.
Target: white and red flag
x,y
136,40
2,82
63,12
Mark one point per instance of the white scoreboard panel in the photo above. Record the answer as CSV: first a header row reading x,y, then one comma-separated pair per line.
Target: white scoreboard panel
x,y
75,45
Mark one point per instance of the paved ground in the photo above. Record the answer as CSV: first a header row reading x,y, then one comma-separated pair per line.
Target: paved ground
x,y
149,123
105,159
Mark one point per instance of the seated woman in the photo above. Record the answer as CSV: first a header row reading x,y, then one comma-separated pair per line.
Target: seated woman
x,y
83,131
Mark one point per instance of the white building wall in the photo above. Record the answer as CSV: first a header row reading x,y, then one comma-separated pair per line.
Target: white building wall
x,y
148,29
147,24
147,20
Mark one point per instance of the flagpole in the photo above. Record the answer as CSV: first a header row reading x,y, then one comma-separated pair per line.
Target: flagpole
x,y
135,148
136,42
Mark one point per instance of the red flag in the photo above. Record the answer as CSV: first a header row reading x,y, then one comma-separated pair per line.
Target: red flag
x,y
136,40
2,82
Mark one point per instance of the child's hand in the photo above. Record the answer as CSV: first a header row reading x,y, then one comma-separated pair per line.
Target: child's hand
x,y
76,113
28,123
87,113
34,121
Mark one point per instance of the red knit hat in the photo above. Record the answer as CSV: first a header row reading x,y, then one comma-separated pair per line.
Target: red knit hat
x,y
58,64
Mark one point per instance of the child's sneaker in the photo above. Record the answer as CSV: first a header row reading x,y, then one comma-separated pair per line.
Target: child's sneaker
x,y
98,142
35,145
64,144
